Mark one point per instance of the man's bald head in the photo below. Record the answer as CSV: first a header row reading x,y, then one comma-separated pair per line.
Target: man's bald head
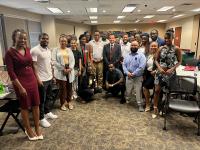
x,y
134,46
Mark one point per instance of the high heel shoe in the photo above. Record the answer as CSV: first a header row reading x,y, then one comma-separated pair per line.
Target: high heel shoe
x,y
30,138
155,114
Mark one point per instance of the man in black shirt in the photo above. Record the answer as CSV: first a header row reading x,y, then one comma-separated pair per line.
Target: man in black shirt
x,y
88,84
115,82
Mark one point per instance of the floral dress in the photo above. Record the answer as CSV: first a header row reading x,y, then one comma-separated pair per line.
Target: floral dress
x,y
168,59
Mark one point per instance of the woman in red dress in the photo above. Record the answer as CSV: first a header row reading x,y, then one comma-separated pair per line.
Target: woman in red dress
x,y
19,65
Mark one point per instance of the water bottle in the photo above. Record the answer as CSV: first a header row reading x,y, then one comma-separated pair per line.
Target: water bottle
x,y
1,88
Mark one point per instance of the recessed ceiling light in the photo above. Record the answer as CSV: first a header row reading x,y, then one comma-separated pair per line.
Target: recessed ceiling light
x,y
129,8
94,21
196,10
55,10
116,21
120,17
137,21
42,1
68,11
93,17
165,8
149,16
161,20
139,10
178,16
92,10
104,11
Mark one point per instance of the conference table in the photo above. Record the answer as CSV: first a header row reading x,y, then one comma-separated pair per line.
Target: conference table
x,y
180,71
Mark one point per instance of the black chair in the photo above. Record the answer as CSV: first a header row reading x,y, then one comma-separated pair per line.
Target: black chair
x,y
53,95
191,62
12,108
178,93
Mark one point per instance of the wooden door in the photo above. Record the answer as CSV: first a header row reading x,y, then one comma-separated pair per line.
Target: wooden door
x,y
177,38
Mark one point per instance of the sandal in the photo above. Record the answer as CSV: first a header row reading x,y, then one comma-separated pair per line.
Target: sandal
x,y
155,114
147,108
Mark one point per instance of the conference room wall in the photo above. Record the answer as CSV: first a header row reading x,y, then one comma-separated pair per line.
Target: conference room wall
x,y
21,14
10,25
129,27
187,31
14,19
195,33
66,27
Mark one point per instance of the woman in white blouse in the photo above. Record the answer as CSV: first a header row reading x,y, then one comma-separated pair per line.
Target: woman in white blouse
x,y
63,62
149,73
144,48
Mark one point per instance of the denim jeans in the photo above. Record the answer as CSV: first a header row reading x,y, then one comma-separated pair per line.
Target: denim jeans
x,y
45,92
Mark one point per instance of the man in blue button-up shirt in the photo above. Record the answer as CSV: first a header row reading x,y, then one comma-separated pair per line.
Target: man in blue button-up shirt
x,y
133,66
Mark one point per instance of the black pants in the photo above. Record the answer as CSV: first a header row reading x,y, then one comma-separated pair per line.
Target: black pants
x,y
116,89
86,94
45,93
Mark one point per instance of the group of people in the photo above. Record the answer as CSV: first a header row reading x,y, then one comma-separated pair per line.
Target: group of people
x,y
133,62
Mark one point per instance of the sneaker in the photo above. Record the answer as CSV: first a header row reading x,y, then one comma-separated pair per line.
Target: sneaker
x,y
75,96
63,108
50,115
141,109
44,123
122,101
70,106
154,116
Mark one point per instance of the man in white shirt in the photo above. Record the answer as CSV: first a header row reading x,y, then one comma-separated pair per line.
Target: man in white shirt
x,y
125,45
104,38
97,46
41,56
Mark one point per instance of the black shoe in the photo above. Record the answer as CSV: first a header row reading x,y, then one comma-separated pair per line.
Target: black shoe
x,y
122,101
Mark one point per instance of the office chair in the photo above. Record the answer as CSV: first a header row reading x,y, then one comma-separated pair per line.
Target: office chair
x,y
191,62
178,94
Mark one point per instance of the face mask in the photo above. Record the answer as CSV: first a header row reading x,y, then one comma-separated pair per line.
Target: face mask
x,y
134,50
125,42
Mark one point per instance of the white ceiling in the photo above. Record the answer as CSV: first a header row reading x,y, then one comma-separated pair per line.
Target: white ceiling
x,y
113,9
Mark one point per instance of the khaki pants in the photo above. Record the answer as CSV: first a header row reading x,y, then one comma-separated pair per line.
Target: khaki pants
x,y
134,84
99,73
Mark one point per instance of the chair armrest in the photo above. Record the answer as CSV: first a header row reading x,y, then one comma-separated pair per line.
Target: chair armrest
x,y
198,98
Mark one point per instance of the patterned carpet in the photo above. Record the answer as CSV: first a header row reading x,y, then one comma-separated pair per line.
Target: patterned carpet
x,y
105,124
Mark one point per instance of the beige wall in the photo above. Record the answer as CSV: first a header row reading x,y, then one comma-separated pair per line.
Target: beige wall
x,y
66,27
15,13
187,30
129,27
194,45
48,26
10,25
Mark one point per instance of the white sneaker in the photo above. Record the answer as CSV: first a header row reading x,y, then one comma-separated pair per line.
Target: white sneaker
x,y
50,115
75,96
44,123
63,108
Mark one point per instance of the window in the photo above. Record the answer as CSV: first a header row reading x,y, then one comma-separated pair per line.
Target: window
x,y
34,29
